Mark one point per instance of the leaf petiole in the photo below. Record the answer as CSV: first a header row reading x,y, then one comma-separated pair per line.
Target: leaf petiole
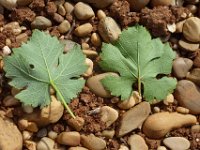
x,y
62,99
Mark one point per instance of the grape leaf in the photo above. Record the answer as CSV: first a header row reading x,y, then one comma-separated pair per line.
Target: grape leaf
x,y
41,63
138,59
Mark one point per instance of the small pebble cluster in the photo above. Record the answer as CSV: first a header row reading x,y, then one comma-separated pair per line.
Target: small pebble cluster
x,y
127,125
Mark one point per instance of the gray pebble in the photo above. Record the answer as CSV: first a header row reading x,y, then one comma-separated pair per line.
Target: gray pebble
x,y
41,22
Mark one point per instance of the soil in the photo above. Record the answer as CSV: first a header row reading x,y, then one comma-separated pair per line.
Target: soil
x,y
155,19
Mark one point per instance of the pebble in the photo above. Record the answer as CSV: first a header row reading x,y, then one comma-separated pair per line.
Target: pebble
x,y
77,148
22,124
95,85
52,134
6,50
182,110
26,135
50,114
83,11
188,96
32,127
194,76
27,109
195,128
108,115
30,145
61,10
191,30
64,27
10,136
123,147
58,18
188,46
137,5
9,101
161,148
24,2
92,142
69,138
181,67
101,14
169,99
156,109
90,65
90,53
133,118
177,143
41,22
159,124
76,123
109,29
171,27
9,4
85,45
45,144
132,101
83,30
98,3
15,27
136,142
68,7
95,39
193,8
109,134
179,26
22,38
162,2
42,133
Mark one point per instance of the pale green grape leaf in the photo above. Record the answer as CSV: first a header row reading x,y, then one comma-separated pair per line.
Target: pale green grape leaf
x,y
40,63
163,87
124,85
136,57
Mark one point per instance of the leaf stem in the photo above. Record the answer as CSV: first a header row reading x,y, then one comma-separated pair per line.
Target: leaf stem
x,y
139,86
62,99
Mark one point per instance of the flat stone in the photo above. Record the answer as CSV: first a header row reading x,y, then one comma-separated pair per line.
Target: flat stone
x,y
10,136
133,118
158,125
49,114
92,142
181,67
83,30
191,29
188,46
95,85
187,94
177,143
64,27
83,11
9,4
137,142
108,115
77,148
194,76
137,5
45,144
41,22
69,138
109,29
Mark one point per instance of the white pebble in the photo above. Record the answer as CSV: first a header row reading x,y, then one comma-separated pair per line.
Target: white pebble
x,y
6,50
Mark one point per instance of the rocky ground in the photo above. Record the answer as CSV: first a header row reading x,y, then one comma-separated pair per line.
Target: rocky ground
x,y
104,122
